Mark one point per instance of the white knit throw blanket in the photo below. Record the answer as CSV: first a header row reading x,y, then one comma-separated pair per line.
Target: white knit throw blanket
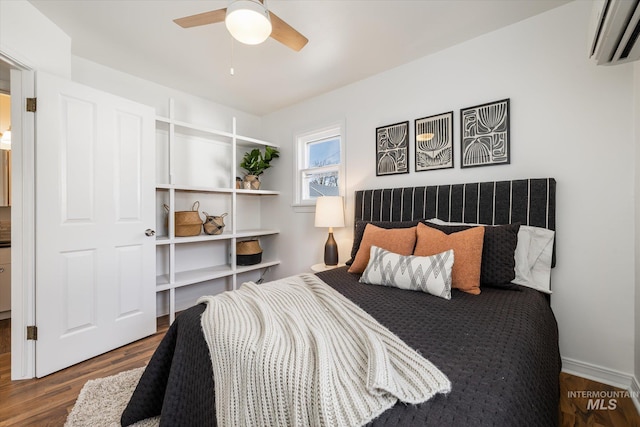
x,y
295,352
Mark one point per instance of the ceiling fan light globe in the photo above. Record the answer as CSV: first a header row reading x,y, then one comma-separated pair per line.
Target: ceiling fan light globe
x,y
248,21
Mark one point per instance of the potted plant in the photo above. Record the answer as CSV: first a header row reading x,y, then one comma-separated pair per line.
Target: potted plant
x,y
255,162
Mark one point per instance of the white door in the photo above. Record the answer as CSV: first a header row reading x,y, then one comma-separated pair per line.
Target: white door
x,y
95,197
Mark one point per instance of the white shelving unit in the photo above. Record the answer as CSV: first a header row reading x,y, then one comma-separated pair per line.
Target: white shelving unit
x,y
176,272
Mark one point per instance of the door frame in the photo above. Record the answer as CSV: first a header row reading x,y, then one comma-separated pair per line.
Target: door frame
x,y
22,220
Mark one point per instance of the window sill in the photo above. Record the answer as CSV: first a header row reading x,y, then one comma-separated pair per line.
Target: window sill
x,y
304,208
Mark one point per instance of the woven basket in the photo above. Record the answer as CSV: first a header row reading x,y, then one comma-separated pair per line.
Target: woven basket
x,y
187,223
213,224
248,252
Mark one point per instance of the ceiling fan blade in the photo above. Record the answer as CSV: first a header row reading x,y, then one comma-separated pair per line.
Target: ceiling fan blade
x,y
205,18
286,34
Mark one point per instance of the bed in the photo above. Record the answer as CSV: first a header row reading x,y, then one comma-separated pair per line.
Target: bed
x,y
499,348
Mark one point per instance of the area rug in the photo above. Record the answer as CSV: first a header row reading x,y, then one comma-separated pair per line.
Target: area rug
x,y
102,401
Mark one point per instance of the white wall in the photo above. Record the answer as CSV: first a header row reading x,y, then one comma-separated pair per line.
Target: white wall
x,y
188,107
29,38
569,119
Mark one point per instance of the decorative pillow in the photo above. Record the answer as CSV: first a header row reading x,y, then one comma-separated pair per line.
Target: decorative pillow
x,y
467,248
398,240
430,274
533,255
498,249
359,232
533,258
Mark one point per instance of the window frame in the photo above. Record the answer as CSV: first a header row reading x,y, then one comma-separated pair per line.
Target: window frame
x,y
301,140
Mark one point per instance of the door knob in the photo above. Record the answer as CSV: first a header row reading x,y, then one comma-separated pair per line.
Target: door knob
x,y
149,232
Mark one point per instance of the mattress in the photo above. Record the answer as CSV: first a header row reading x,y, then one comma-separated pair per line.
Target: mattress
x,y
499,350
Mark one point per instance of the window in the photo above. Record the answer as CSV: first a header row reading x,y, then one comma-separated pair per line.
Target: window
x,y
319,171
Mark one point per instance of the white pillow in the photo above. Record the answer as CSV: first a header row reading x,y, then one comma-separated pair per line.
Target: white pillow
x,y
532,255
430,274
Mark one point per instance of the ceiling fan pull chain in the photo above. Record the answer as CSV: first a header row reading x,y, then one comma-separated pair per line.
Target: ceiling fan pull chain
x,y
231,70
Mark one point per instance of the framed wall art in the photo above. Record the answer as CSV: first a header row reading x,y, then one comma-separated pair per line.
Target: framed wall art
x,y
484,134
434,142
392,149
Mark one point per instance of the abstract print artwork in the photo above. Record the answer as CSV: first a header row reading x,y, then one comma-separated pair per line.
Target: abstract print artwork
x,y
392,149
484,133
434,142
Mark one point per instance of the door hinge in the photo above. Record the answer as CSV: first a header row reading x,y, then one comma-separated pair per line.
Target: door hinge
x,y
32,333
31,105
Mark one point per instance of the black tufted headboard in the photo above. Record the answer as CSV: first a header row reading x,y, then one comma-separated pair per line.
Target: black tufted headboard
x,y
528,201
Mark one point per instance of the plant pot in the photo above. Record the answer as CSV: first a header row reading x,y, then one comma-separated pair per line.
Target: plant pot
x,y
251,182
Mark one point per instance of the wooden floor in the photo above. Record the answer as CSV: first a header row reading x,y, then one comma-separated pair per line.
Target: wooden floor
x,y
575,410
48,401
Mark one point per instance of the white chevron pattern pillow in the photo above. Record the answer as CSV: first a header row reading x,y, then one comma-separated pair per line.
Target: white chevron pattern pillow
x,y
430,274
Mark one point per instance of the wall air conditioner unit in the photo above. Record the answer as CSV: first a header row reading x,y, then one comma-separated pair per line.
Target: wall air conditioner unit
x,y
615,28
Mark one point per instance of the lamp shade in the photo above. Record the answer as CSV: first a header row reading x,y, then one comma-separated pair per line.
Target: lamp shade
x,y
248,21
329,211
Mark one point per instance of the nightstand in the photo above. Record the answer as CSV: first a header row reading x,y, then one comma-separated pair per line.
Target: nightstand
x,y
317,268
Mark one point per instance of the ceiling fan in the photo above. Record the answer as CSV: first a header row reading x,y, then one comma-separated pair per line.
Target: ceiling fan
x,y
249,22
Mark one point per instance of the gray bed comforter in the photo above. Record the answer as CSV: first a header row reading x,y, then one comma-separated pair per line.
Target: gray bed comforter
x,y
499,349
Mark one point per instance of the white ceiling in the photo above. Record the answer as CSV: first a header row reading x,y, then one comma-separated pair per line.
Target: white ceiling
x,y
348,41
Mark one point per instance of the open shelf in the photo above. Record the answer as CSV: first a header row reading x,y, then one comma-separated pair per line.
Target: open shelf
x,y
190,129
187,148
201,189
195,189
165,240
258,192
191,277
241,234
186,278
247,268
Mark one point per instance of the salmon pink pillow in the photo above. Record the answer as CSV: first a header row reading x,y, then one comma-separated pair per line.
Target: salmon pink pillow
x,y
398,240
467,249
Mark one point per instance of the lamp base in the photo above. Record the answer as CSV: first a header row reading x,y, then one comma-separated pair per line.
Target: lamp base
x,y
331,251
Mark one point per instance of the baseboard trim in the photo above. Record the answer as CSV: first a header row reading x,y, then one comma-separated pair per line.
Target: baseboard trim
x,y
597,373
635,393
605,376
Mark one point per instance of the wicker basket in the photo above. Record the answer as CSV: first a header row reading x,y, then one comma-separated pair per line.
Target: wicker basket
x,y
187,223
248,252
213,224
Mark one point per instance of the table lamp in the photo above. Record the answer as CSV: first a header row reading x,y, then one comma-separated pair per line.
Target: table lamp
x,y
330,213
